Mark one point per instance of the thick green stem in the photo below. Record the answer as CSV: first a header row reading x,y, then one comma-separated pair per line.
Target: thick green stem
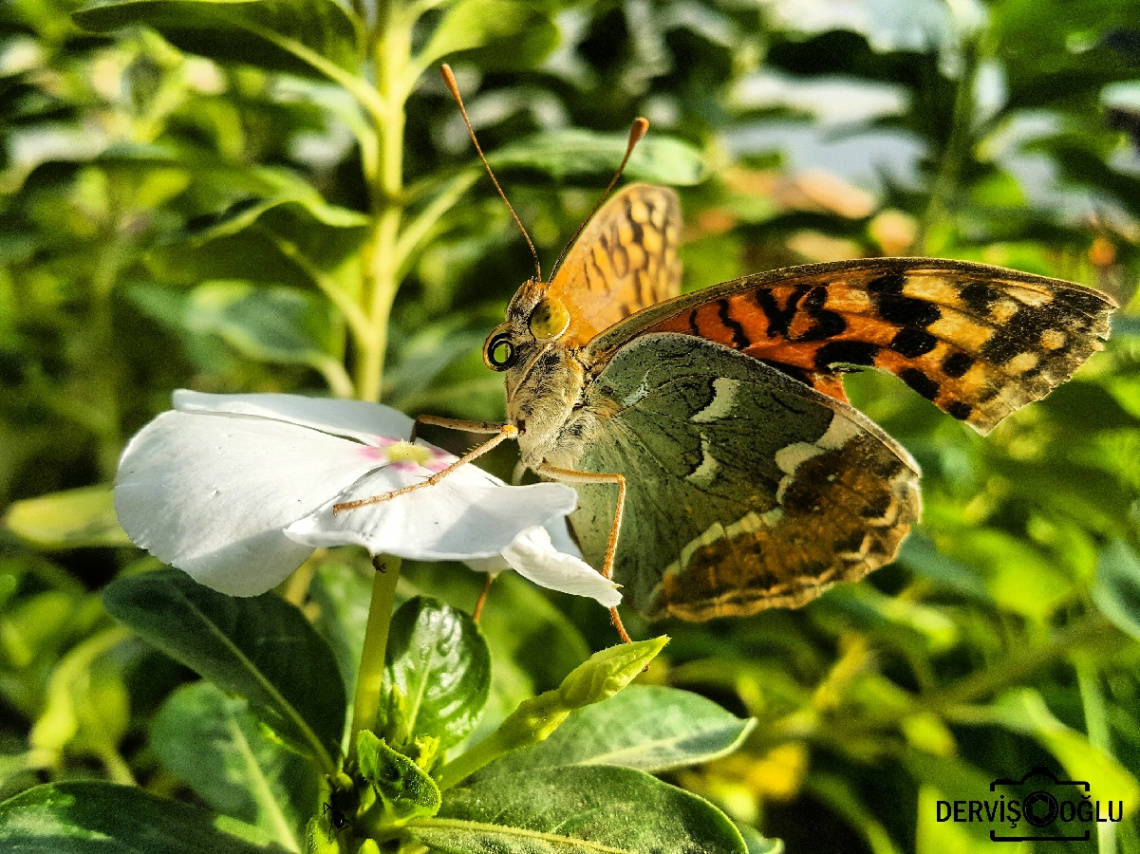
x,y
392,52
370,681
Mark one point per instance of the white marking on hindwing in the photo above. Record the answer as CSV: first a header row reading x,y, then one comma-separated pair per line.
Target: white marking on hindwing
x,y
704,474
788,459
750,523
724,398
637,394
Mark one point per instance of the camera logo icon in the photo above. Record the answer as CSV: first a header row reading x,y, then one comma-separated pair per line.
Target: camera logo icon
x,y
1048,804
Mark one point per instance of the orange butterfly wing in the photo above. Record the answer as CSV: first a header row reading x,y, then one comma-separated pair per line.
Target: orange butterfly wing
x,y
624,260
978,341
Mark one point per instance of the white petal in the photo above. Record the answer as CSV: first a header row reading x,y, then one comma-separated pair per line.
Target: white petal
x,y
559,531
533,557
467,514
355,419
210,494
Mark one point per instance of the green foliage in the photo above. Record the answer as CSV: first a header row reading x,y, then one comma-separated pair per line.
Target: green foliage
x,y
277,196
88,817
438,674
235,643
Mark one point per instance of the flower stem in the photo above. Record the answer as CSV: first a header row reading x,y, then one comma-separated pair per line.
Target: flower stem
x,y
369,681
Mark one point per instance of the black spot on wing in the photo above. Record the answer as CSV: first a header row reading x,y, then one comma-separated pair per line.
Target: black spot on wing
x,y
889,283
1020,334
920,382
959,409
906,311
739,339
956,364
913,343
779,319
978,296
693,327
845,352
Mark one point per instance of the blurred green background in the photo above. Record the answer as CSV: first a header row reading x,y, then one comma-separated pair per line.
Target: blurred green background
x,y
205,195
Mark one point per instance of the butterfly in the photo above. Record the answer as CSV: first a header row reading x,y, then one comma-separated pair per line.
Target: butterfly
x,y
719,466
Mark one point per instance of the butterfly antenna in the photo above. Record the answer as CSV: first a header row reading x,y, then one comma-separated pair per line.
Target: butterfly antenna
x,y
449,79
639,128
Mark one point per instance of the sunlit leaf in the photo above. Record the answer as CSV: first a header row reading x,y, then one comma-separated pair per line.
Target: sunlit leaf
x,y
494,34
77,518
94,817
650,728
272,34
439,672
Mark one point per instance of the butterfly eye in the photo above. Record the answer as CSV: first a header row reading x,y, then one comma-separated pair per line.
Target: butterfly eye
x,y
499,354
549,319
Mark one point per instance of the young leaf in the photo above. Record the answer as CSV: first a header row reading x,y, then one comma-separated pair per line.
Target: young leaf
x,y
596,679
648,727
404,790
212,743
101,817
577,809
277,35
494,34
261,648
439,672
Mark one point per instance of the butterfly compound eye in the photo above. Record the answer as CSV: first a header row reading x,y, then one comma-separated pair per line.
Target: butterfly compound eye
x,y
549,319
500,353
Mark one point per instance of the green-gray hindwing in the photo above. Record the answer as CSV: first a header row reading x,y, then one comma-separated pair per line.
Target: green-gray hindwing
x,y
746,488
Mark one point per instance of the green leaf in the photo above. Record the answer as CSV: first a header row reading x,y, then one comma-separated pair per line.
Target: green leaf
x,y
650,728
405,790
270,324
86,708
583,809
585,156
438,673
757,843
77,518
1117,588
596,679
101,818
213,743
261,648
495,35
299,198
276,35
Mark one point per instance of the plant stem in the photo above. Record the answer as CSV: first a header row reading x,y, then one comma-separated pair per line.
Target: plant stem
x,y
369,682
953,157
392,52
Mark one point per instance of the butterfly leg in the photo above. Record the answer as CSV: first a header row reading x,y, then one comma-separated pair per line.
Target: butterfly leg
x,y
572,476
506,431
478,610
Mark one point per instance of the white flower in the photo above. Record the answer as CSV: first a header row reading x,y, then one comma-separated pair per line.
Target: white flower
x,y
237,490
